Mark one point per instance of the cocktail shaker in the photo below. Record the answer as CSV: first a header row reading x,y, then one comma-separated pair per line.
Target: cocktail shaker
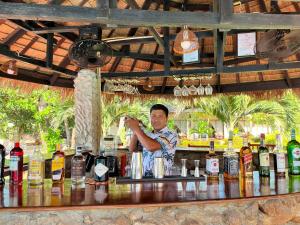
x,y
183,168
136,165
159,168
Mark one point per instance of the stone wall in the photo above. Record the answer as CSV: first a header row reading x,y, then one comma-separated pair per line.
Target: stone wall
x,y
271,211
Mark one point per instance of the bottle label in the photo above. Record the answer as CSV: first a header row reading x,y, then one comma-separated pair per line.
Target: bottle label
x,y
296,153
280,160
212,165
14,162
100,169
58,163
35,170
247,158
264,159
77,169
231,166
296,163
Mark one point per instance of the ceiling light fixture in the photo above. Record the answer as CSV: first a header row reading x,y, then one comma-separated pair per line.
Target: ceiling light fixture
x,y
10,67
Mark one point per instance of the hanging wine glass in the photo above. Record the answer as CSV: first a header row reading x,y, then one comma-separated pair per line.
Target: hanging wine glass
x,y
185,91
192,89
200,89
208,90
177,90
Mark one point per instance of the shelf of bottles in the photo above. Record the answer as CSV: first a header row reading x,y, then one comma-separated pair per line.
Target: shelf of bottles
x,y
100,168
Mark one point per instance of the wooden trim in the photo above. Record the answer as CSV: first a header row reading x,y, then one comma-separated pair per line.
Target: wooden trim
x,y
135,17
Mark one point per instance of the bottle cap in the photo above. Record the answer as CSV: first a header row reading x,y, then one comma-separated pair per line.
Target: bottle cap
x,y
262,135
17,144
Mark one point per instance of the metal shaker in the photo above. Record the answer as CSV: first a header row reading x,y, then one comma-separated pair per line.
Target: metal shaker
x,y
197,172
136,165
183,168
159,168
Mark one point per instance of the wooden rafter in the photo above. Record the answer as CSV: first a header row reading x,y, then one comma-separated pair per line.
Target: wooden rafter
x,y
146,17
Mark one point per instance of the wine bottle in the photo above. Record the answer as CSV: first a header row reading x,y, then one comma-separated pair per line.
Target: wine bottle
x,y
264,158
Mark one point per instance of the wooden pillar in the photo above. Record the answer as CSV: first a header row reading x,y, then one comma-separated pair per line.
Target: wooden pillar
x,y
87,109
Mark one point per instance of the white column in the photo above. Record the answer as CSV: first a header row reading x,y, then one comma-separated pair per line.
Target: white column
x,y
87,109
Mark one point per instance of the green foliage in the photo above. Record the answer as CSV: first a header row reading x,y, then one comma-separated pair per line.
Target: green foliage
x,y
203,127
52,137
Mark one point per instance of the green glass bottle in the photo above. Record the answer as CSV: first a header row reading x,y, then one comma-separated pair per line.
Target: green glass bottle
x,y
264,158
293,149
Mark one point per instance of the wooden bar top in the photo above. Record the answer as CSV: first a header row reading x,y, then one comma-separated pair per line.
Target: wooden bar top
x,y
49,196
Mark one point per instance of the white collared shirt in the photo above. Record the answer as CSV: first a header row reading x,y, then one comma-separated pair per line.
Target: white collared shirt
x,y
167,140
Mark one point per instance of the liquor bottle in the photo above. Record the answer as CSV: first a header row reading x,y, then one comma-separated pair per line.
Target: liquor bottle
x,y
36,168
16,164
265,188
264,160
279,157
246,186
78,167
2,162
231,161
293,150
212,162
246,163
58,165
101,169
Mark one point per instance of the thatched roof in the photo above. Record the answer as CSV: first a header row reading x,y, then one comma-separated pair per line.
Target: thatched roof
x,y
25,44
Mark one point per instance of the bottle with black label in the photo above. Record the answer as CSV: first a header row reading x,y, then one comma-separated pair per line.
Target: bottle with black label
x,y
2,161
101,169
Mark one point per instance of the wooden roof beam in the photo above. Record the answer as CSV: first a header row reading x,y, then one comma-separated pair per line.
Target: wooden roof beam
x,y
146,17
242,87
13,37
6,52
226,69
152,31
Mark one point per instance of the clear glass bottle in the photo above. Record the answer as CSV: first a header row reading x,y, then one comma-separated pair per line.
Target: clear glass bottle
x,y
246,159
16,164
58,165
293,150
36,168
78,167
212,162
2,164
231,160
279,157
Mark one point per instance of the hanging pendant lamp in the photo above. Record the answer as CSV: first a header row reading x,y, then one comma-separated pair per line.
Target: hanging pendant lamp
x,y
9,67
186,41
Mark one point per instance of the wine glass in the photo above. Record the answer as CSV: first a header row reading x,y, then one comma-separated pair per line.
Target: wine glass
x,y
208,90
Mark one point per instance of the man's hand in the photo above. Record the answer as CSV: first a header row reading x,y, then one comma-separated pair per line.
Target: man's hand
x,y
132,123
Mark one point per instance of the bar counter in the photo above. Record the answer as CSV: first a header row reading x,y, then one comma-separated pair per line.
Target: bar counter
x,y
255,200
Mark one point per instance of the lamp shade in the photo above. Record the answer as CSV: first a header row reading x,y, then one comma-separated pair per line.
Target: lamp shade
x,y
186,42
9,67
148,86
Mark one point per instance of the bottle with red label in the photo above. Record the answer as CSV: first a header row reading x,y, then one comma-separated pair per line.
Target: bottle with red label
x,y
212,162
16,164
246,164
293,150
279,157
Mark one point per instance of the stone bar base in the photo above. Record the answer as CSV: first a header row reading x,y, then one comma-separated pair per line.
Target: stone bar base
x,y
272,210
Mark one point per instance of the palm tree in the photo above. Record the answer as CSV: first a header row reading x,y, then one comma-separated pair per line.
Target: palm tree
x,y
231,109
114,110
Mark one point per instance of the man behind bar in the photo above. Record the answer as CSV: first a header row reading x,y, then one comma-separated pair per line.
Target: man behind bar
x,y
160,143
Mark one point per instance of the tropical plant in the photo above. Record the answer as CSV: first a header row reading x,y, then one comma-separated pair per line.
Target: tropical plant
x,y
231,109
